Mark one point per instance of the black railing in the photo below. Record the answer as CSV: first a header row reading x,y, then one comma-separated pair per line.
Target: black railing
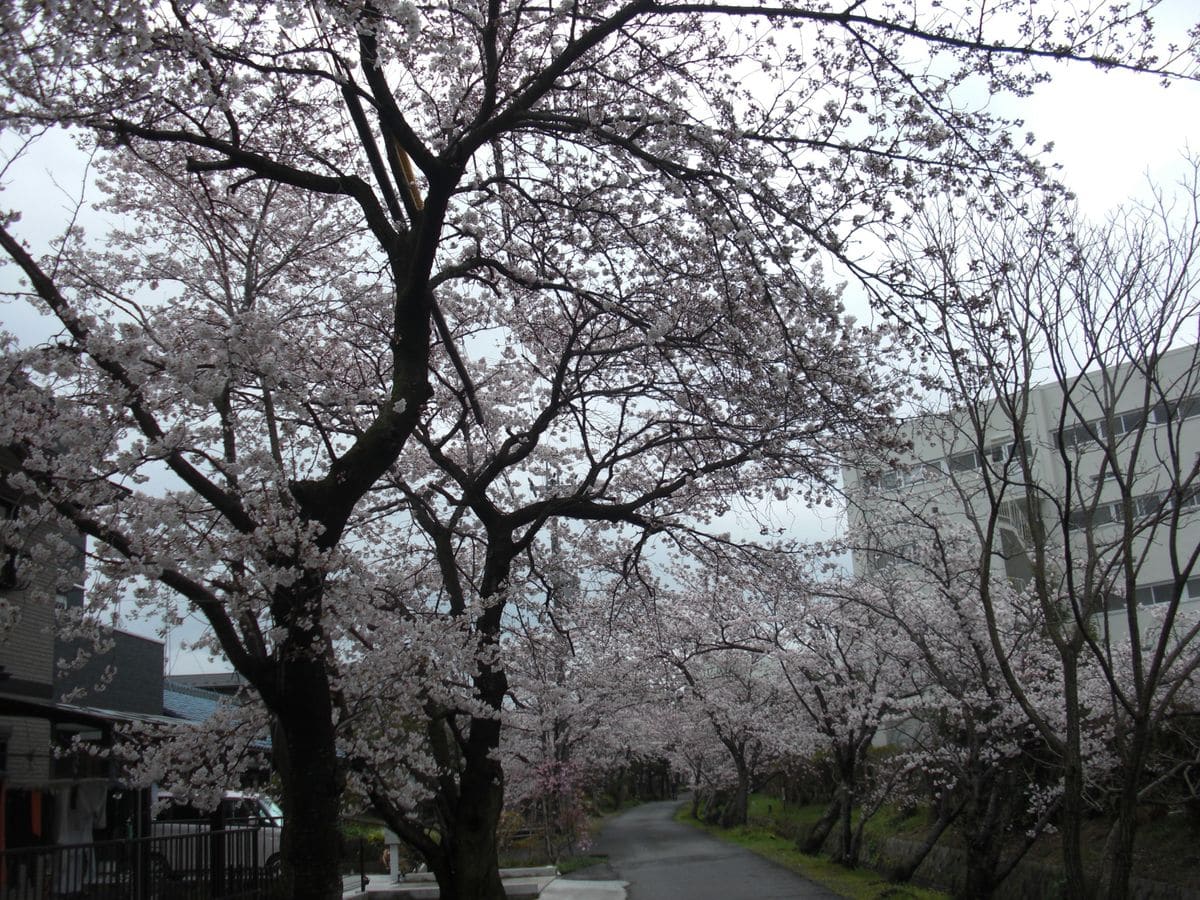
x,y
225,864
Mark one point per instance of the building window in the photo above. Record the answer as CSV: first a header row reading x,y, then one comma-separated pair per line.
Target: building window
x,y
1156,504
1176,410
1080,436
1150,594
1086,433
1003,452
1164,592
1000,454
903,476
1102,514
965,462
1130,422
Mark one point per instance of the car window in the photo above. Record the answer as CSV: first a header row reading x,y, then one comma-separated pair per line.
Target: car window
x,y
240,808
180,812
272,811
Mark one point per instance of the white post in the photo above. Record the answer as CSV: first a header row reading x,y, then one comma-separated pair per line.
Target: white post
x,y
393,847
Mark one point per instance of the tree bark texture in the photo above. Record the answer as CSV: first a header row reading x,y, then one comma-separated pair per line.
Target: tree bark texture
x,y
737,809
1071,824
904,871
1118,850
815,839
846,855
305,756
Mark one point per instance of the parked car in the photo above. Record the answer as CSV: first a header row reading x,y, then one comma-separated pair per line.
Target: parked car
x,y
252,829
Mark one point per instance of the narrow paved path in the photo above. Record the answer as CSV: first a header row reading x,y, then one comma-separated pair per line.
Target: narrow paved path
x,y
667,860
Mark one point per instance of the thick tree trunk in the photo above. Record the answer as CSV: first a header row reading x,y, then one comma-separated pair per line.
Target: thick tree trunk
x,y
737,809
471,867
305,756
850,765
619,789
711,808
466,861
845,852
982,827
1118,852
981,870
1075,885
476,853
985,836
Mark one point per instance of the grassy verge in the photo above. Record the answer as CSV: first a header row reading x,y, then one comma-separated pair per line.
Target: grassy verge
x,y
575,863
857,884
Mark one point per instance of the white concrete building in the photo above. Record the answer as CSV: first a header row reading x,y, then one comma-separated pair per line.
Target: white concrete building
x,y
1097,470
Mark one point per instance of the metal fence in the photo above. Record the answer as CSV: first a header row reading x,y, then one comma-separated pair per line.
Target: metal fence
x,y
222,864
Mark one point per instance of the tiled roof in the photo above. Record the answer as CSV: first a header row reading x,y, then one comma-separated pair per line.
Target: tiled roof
x,y
182,701
222,682
193,704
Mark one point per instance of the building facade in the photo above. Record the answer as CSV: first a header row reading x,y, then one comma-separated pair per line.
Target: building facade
x,y
49,795
1093,477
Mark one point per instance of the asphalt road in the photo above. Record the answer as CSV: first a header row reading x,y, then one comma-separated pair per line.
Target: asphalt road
x,y
667,860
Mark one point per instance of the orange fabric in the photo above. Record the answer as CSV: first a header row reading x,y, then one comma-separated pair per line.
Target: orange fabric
x,y
3,819
35,812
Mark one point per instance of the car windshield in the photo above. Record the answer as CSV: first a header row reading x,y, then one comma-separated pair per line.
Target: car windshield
x,y
273,810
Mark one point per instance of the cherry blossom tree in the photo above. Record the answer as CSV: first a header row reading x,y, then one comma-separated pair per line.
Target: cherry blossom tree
x,y
697,629
575,716
335,212
1084,488
993,775
845,666
736,695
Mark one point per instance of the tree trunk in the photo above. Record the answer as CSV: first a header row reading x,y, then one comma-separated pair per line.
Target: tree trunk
x,y
981,867
850,764
476,853
473,870
820,831
546,830
984,840
1071,824
619,789
712,801
982,827
904,871
737,809
1118,852
466,863
1118,848
305,756
845,848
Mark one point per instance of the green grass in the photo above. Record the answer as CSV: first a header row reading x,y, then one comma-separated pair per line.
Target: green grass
x,y
575,863
857,884
786,820
791,821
